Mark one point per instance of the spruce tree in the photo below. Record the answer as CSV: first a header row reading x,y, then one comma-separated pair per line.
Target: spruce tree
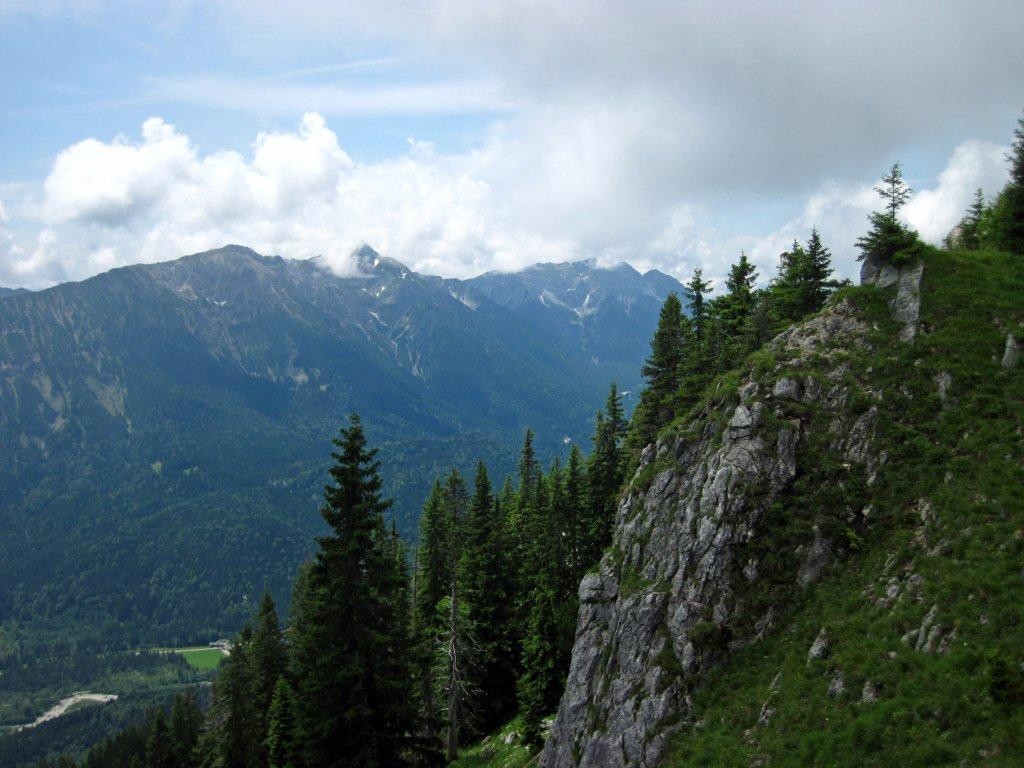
x,y
819,282
351,651
159,752
888,241
970,224
605,474
232,738
578,523
486,589
698,289
281,749
432,557
185,725
738,302
788,286
268,660
539,684
1007,216
661,370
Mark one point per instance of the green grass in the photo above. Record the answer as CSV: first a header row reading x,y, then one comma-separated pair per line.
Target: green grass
x,y
493,752
200,658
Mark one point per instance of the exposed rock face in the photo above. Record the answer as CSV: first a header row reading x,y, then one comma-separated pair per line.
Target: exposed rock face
x,y
906,305
639,650
1011,353
819,648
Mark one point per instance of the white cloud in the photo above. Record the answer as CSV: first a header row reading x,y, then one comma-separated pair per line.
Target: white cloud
x,y
974,165
300,194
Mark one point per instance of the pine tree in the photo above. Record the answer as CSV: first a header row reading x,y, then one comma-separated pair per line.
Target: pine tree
x,y
662,370
539,684
281,748
698,289
231,738
788,285
662,366
970,224
888,241
268,660
186,723
819,282
159,752
485,586
455,665
432,558
738,302
1007,215
351,652
578,524
605,474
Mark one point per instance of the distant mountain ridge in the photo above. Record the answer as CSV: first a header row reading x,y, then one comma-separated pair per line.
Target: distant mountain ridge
x,y
174,419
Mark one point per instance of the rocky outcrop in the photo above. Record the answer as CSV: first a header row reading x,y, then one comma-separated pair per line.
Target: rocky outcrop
x,y
1011,352
906,304
679,590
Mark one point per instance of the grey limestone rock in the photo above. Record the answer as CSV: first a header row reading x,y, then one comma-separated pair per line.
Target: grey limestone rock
x,y
819,648
906,304
1011,353
868,694
837,687
944,382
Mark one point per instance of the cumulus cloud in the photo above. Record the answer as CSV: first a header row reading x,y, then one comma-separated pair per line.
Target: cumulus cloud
x,y
974,165
298,194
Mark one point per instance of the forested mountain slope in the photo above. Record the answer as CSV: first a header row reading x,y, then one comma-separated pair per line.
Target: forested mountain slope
x,y
165,427
820,564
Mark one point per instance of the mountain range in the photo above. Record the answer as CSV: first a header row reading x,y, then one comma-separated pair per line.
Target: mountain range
x,y
178,416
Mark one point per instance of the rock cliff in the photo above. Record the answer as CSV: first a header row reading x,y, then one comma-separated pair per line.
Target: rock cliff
x,y
708,543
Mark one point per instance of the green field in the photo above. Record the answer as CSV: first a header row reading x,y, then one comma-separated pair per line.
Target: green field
x,y
201,657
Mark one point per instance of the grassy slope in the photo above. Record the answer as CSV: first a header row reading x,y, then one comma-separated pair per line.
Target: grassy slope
x,y
967,460
493,752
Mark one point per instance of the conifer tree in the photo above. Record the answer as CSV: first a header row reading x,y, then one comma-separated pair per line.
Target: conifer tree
x,y
970,224
888,241
185,725
1007,215
539,685
788,286
578,523
231,738
698,290
159,752
281,748
661,370
433,557
351,653
736,305
819,275
485,586
605,470
267,657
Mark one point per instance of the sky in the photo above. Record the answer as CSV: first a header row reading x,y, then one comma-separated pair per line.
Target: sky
x,y
460,137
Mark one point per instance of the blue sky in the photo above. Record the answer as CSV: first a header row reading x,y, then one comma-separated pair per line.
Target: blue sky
x,y
459,136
